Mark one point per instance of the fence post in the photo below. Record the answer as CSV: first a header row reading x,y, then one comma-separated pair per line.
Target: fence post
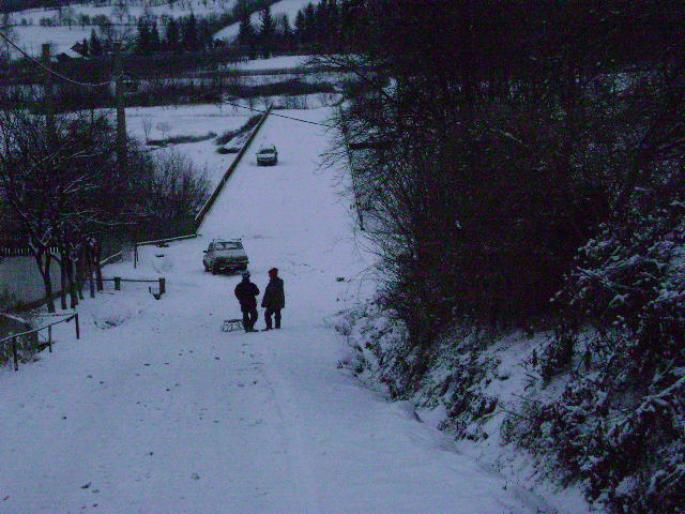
x,y
117,283
135,255
14,354
78,328
162,286
50,338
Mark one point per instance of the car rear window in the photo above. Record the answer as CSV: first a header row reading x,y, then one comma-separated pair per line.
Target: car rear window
x,y
228,246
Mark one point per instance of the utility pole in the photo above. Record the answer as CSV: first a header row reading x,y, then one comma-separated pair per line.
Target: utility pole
x,y
355,187
47,97
122,156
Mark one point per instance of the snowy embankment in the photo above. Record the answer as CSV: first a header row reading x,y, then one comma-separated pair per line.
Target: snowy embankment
x,y
156,410
476,383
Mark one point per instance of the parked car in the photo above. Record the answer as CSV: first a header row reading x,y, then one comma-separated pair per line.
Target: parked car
x,y
267,156
225,255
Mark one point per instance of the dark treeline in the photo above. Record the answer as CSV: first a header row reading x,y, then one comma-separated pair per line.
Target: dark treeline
x,y
190,33
20,5
327,26
185,34
506,151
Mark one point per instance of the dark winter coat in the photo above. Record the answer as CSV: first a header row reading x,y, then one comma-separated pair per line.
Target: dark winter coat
x,y
246,293
274,297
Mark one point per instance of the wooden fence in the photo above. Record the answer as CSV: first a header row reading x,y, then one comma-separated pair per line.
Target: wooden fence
x,y
10,249
159,242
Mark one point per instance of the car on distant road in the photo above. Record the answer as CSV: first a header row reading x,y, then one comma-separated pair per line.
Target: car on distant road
x,y
267,156
225,255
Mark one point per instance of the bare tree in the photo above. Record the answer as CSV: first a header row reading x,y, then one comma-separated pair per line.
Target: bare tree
x,y
147,127
164,127
60,187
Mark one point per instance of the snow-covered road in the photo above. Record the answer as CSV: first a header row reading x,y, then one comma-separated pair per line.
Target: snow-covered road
x,y
156,410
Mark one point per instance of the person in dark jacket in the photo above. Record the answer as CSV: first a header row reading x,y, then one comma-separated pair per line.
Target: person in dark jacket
x,y
246,293
274,299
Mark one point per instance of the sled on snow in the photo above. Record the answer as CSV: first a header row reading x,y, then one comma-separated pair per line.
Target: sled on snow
x,y
231,325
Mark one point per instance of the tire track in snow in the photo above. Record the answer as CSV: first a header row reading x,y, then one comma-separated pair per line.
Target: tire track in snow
x,y
296,448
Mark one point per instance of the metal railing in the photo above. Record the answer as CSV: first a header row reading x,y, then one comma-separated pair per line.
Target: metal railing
x,y
161,281
158,242
13,337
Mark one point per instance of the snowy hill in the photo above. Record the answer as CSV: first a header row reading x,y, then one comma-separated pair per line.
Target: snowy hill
x,y
69,25
133,9
157,410
287,7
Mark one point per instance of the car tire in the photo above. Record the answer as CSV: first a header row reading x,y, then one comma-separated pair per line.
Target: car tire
x,y
214,270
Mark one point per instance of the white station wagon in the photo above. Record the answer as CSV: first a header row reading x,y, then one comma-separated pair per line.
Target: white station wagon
x,y
225,255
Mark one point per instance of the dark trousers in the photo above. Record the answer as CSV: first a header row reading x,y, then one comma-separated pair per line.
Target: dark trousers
x,y
267,316
250,316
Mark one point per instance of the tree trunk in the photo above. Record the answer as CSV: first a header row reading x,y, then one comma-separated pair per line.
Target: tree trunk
x,y
63,279
79,273
72,284
89,270
47,282
98,268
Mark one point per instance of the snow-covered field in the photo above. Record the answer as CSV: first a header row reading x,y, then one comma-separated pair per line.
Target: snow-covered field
x,y
274,63
30,35
190,120
288,7
156,410
135,8
61,39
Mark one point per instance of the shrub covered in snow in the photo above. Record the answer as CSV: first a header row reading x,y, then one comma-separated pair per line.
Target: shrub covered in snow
x,y
618,424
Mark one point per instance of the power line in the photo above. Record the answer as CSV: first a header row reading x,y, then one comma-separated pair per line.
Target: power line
x,y
280,115
102,84
49,70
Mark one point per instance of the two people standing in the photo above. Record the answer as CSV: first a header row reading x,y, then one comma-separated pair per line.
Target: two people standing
x,y
273,300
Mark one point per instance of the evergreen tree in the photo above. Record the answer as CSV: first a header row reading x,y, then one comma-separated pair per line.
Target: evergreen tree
x,y
346,21
191,40
246,32
266,32
155,42
95,45
320,23
204,29
287,34
172,36
333,26
143,39
300,27
309,31
84,47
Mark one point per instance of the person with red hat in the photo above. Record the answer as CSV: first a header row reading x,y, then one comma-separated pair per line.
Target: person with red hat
x,y
274,299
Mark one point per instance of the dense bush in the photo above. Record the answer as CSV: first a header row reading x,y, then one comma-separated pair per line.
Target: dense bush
x,y
618,423
479,173
171,192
